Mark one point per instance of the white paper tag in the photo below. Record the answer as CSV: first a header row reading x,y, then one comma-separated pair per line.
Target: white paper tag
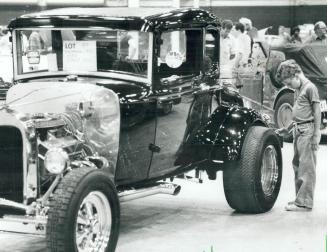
x,y
79,56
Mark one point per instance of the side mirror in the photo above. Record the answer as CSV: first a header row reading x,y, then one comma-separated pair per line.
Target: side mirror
x,y
33,57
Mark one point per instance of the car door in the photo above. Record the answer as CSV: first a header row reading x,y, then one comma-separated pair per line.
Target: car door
x,y
180,65
136,135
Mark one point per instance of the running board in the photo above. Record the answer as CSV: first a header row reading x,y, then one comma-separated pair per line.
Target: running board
x,y
162,188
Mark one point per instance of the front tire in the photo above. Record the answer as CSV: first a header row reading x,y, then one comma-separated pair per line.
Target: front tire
x,y
84,213
252,184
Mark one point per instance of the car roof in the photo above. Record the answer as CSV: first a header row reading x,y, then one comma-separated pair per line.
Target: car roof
x,y
145,19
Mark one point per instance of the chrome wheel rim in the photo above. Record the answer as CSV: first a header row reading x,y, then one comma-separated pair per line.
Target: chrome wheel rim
x,y
93,223
284,115
269,170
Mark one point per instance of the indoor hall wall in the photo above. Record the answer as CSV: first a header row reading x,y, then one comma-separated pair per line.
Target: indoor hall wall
x,y
264,16
263,13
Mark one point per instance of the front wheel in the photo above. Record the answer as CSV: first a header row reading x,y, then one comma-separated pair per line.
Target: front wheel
x,y
84,213
252,184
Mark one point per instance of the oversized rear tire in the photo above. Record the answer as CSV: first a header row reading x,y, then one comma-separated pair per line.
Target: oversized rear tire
x,y
283,113
84,213
252,184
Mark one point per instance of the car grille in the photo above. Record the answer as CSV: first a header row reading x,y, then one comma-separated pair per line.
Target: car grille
x,y
11,164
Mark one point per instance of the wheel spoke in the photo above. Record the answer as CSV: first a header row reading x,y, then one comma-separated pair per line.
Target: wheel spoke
x,y
81,221
89,241
89,210
80,239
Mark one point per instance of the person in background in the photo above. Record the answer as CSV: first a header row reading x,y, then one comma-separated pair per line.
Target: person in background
x,y
249,29
320,31
227,50
295,35
320,36
306,133
243,46
35,42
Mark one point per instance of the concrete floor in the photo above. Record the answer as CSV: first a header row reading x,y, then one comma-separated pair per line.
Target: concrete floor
x,y
199,220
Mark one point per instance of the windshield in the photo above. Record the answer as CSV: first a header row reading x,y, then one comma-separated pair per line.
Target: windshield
x,y
82,51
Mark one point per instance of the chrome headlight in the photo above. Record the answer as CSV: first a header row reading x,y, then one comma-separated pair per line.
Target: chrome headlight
x,y
55,160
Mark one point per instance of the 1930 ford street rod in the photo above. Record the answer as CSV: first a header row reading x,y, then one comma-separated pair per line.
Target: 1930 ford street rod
x,y
106,106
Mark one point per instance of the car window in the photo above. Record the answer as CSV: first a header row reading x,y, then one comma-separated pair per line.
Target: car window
x,y
82,50
211,48
174,41
180,53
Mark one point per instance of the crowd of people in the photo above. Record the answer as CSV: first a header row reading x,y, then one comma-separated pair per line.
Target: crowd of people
x,y
236,42
319,35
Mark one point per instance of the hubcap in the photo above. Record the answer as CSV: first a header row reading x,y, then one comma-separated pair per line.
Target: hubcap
x,y
269,170
284,115
93,224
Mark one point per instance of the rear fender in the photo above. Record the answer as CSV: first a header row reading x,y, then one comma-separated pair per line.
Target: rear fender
x,y
229,134
221,137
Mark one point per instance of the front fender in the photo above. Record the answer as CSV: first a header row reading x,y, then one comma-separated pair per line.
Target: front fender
x,y
228,134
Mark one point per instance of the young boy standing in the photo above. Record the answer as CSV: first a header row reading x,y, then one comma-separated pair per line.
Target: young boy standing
x,y
306,133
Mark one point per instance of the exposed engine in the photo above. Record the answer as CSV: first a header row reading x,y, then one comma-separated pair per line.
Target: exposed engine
x,y
63,132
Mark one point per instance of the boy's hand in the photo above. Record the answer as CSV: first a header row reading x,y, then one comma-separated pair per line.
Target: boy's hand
x,y
314,143
281,131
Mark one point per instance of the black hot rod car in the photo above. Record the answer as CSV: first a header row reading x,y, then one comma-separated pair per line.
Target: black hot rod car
x,y
105,106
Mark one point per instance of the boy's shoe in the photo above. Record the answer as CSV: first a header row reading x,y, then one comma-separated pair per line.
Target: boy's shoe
x,y
292,207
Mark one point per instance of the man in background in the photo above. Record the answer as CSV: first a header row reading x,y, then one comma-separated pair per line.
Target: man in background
x,y
320,31
35,42
295,35
249,29
320,36
243,46
227,50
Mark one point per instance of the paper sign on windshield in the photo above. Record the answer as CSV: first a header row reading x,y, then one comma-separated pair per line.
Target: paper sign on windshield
x,y
174,59
79,56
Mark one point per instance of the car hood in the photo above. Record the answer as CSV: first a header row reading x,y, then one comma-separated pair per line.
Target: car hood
x,y
50,97
97,106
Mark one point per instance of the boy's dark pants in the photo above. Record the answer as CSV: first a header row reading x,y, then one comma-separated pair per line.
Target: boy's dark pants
x,y
304,164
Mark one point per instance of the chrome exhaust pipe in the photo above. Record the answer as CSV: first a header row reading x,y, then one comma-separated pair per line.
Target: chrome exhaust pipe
x,y
162,188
